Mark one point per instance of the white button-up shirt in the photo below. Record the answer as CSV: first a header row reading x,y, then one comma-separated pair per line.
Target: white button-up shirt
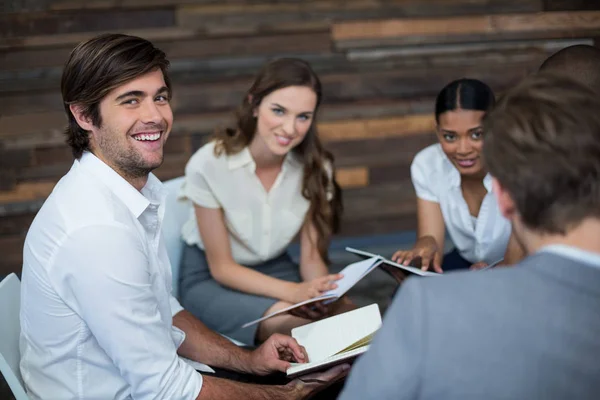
x,y
261,224
96,304
435,179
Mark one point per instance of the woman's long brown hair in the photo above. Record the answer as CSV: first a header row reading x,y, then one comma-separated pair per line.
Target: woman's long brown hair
x,y
324,214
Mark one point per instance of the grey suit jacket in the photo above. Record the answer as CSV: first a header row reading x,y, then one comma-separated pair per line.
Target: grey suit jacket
x,y
527,332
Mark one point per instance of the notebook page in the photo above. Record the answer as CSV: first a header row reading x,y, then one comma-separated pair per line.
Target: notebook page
x,y
352,274
284,310
301,369
327,337
416,271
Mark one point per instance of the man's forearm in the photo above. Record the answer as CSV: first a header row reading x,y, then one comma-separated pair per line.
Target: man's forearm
x,y
217,389
206,346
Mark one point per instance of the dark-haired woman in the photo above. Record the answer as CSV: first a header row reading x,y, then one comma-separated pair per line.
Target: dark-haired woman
x,y
255,188
454,191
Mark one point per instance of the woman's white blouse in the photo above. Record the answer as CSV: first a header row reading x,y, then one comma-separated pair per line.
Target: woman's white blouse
x,y
436,179
261,225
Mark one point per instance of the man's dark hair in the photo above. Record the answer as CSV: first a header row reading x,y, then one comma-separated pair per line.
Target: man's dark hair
x,y
542,144
97,66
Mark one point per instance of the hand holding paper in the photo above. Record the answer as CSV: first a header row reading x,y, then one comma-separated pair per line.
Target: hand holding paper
x,y
350,276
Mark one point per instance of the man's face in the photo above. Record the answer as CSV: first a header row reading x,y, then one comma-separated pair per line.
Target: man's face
x,y
136,121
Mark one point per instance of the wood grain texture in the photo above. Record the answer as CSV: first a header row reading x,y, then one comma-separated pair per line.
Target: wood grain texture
x,y
467,28
381,63
353,177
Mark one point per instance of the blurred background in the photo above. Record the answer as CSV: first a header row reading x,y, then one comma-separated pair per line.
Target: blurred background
x,y
381,62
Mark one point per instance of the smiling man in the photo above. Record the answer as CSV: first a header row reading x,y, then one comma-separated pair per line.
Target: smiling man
x,y
97,316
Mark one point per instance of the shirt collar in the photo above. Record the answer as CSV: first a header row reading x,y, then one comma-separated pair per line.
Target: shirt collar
x,y
137,202
244,158
454,175
239,159
573,253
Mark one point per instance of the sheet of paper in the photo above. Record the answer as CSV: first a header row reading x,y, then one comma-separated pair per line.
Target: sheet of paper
x,y
352,274
284,310
413,270
301,369
329,336
492,265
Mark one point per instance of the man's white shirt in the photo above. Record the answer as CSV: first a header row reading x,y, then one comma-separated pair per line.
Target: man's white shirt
x,y
96,304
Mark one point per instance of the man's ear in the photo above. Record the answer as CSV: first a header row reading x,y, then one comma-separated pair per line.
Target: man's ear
x,y
505,201
83,120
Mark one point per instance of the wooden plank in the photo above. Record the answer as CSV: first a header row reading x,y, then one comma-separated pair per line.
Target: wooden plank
x,y
40,23
396,198
410,7
373,153
20,6
354,177
376,226
49,123
571,5
200,71
16,224
375,128
11,248
289,44
72,39
27,191
473,28
47,156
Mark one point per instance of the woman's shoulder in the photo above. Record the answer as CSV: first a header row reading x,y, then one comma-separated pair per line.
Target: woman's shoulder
x,y
209,153
430,159
206,157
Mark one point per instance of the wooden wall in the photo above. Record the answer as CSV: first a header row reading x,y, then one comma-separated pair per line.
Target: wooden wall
x,y
381,62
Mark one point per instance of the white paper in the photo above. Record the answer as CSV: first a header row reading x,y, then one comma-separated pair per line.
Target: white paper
x,y
413,270
324,338
284,310
352,274
297,369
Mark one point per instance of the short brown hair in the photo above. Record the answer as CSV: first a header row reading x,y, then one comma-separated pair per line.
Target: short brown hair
x,y
579,62
542,144
97,66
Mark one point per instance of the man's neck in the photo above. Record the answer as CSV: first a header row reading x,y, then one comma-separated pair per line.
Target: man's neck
x,y
137,182
584,236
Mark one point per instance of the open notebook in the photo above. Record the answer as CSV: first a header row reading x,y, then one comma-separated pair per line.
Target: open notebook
x,y
406,268
336,339
351,275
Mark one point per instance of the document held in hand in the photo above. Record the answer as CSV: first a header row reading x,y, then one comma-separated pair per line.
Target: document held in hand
x,y
406,268
336,339
351,275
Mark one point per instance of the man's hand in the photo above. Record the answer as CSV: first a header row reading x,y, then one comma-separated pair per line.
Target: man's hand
x,y
275,354
308,385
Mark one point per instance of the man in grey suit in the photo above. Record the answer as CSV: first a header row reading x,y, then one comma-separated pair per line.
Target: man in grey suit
x,y
527,332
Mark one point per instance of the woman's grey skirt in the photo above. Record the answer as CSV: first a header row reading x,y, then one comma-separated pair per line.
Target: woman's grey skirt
x,y
222,309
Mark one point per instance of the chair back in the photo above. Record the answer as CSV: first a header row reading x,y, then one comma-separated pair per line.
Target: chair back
x,y
10,329
176,214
